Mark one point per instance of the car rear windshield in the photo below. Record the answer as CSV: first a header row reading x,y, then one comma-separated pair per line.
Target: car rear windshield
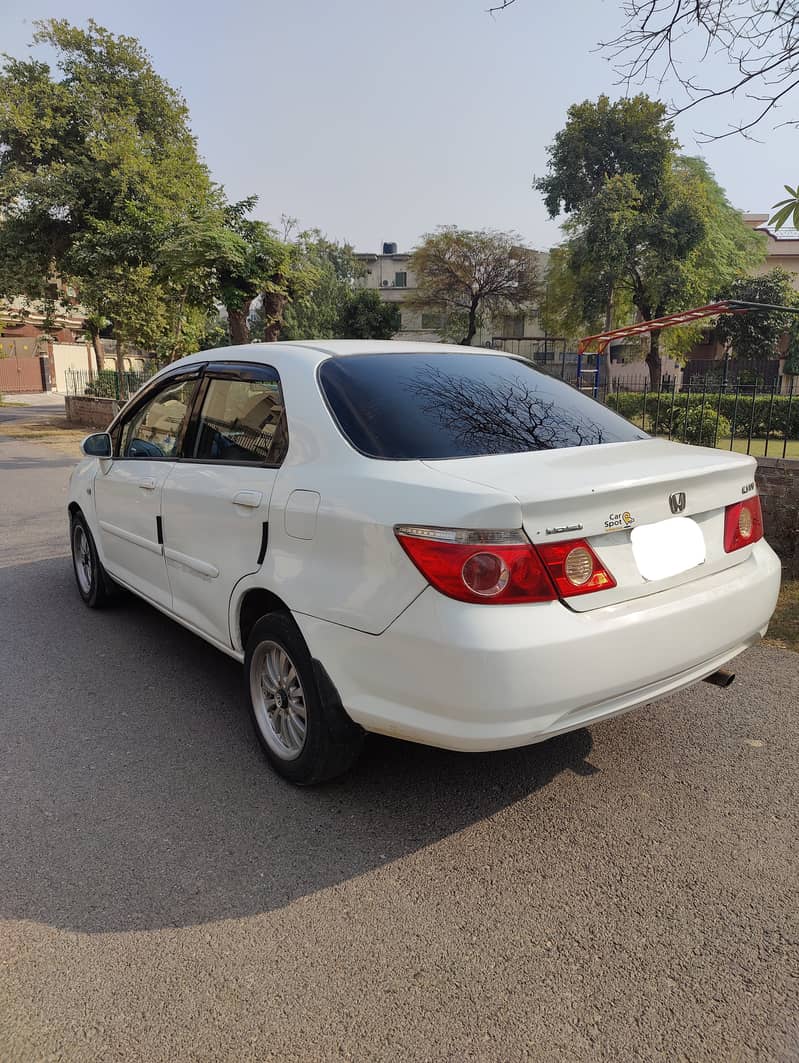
x,y
450,405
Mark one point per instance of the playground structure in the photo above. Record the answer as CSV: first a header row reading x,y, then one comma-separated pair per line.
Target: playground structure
x,y
601,340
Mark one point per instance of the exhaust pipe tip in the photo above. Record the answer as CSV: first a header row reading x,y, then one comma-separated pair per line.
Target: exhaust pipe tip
x,y
721,678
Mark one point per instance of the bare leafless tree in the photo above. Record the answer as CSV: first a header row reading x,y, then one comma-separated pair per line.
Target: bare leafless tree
x,y
759,37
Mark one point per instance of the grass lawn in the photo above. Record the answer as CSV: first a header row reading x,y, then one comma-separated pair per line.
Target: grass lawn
x,y
784,628
5,402
758,449
54,432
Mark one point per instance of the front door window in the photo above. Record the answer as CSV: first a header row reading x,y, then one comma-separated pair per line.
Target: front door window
x,y
156,429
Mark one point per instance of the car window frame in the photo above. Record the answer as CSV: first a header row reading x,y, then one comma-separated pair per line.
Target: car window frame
x,y
148,394
254,372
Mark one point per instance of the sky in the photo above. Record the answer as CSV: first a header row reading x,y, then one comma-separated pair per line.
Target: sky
x,y
377,120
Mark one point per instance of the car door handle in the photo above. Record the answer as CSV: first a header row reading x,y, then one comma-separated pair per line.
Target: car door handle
x,y
248,498
147,485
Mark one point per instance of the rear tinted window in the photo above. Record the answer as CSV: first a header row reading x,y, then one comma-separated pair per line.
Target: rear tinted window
x,y
406,406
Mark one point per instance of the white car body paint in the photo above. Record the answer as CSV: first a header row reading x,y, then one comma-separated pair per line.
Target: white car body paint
x,y
405,659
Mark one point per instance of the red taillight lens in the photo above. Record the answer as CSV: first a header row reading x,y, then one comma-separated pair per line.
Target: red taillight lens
x,y
743,524
486,574
575,568
490,567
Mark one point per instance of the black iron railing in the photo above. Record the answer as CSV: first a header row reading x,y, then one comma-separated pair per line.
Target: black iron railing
x,y
760,419
107,383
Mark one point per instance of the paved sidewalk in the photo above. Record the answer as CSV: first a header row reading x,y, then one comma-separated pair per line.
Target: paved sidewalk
x,y
44,405
40,398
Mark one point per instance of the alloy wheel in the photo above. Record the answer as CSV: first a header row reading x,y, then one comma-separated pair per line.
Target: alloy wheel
x,y
278,700
83,558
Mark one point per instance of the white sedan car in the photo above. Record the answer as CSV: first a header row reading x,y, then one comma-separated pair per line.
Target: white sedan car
x,y
432,542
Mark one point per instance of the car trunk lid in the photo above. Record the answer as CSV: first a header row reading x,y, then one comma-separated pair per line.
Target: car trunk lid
x,y
601,493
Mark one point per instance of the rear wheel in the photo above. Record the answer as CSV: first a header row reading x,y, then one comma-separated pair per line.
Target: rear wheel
x,y
93,582
299,721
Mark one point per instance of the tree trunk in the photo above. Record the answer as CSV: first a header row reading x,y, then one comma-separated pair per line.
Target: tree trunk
x,y
122,390
179,325
238,323
273,305
653,360
96,347
472,329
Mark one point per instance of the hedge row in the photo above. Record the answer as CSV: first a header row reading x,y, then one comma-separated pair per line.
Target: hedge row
x,y
784,414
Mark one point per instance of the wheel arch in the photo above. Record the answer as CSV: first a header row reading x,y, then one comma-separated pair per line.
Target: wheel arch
x,y
253,604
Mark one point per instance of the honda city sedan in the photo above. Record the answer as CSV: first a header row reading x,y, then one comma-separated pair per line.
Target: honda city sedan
x,y
436,543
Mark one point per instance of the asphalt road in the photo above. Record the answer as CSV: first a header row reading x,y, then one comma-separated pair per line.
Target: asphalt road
x,y
628,893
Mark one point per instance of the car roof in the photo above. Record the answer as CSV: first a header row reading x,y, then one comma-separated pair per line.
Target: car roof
x,y
344,348
264,352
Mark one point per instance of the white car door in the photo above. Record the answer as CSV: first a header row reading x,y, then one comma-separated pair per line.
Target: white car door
x,y
216,500
128,487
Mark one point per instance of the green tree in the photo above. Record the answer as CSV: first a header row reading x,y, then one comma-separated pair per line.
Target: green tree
x,y
225,253
316,314
97,168
792,353
757,335
564,312
467,276
660,234
365,316
290,283
603,140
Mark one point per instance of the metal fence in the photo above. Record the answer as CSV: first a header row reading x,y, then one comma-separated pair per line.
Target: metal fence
x,y
107,383
760,419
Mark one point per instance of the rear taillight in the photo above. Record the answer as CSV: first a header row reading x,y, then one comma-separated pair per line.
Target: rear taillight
x,y
575,568
743,524
496,567
490,567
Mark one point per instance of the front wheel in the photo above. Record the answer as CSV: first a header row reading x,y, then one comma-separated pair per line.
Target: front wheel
x,y
93,583
303,730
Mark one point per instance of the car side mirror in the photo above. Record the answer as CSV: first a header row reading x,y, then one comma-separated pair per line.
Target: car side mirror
x,y
97,445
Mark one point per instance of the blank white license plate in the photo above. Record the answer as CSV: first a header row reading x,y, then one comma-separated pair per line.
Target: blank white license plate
x,y
667,548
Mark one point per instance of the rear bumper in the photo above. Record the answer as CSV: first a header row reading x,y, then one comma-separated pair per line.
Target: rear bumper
x,y
475,677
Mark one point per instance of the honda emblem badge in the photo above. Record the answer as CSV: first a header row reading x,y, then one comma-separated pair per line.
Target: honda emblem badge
x,y
677,502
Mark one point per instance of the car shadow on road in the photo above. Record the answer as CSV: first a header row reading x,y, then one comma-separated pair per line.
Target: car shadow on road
x,y
134,795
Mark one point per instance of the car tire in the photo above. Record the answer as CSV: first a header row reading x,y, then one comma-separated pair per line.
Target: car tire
x,y
94,584
298,718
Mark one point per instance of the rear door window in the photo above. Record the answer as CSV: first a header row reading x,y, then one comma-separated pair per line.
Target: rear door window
x,y
242,420
451,405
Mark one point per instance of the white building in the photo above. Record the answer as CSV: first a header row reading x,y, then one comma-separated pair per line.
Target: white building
x,y
389,272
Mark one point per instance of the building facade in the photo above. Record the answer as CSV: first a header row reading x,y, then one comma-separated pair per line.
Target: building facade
x,y
39,352
389,272
36,353
782,246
